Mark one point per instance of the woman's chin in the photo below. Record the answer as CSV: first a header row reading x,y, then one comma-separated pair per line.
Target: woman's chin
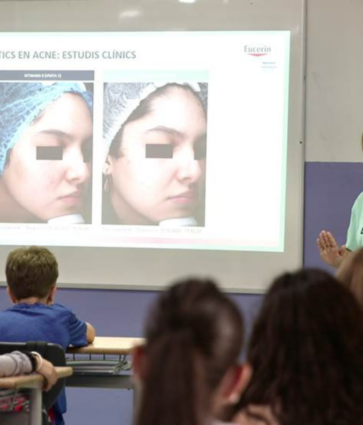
x,y
67,219
179,222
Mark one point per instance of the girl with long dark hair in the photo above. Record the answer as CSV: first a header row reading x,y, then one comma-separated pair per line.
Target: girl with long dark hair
x,y
188,370
306,351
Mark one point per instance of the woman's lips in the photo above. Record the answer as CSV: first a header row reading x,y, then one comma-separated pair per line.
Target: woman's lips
x,y
72,199
186,198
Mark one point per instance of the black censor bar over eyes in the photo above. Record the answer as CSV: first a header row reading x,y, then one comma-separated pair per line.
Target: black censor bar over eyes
x,y
52,153
155,150
158,151
200,152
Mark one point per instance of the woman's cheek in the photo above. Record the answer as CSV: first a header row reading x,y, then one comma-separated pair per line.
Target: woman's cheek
x,y
159,172
89,175
144,173
49,174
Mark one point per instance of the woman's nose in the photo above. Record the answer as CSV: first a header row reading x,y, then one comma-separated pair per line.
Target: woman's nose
x,y
189,169
78,170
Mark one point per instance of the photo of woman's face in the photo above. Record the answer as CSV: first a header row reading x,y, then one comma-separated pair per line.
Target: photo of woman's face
x,y
49,168
159,173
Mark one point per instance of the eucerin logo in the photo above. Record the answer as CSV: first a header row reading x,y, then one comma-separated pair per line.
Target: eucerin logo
x,y
257,50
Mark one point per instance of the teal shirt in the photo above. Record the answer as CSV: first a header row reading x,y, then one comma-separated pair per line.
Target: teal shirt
x,y
355,230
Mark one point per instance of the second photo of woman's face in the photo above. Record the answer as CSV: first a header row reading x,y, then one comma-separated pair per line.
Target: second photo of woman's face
x,y
49,169
159,171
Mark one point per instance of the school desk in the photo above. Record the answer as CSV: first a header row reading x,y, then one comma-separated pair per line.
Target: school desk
x,y
34,382
103,347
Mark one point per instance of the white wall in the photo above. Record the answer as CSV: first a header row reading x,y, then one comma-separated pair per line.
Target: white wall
x,y
334,97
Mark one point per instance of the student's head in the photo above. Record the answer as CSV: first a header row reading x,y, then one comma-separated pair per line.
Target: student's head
x,y
350,274
156,144
188,367
45,150
31,273
306,351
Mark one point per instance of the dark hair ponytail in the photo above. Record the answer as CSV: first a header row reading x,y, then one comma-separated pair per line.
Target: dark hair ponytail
x,y
194,333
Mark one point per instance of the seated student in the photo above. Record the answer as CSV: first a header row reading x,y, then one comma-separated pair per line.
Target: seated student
x,y
188,369
306,351
19,363
350,273
31,275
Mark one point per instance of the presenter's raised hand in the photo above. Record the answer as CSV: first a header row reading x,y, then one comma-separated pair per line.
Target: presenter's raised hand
x,y
329,250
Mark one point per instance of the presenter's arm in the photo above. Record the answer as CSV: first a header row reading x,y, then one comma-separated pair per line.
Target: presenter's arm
x,y
91,333
329,250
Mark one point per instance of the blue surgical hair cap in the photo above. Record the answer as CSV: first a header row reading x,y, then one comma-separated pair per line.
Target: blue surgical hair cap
x,y
121,99
21,104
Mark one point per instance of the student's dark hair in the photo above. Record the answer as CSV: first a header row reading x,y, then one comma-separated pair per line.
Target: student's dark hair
x,y
350,274
306,351
31,272
194,333
146,106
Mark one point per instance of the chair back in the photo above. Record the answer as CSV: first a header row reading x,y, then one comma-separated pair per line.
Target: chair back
x,y
54,353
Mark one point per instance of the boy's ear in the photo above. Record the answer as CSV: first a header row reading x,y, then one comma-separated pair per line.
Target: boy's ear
x,y
11,295
51,295
241,376
138,362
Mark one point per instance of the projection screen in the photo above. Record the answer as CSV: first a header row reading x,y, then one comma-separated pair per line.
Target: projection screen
x,y
150,147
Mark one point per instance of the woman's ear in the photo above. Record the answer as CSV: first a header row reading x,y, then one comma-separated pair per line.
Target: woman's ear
x,y
240,378
107,166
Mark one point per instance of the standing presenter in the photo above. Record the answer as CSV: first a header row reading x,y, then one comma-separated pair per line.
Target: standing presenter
x,y
333,254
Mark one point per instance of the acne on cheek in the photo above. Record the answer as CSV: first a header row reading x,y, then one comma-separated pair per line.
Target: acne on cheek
x,y
49,173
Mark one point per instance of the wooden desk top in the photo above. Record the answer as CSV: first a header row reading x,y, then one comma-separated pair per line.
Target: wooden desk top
x,y
33,380
108,345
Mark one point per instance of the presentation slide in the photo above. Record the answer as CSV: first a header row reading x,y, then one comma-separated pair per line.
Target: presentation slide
x,y
144,140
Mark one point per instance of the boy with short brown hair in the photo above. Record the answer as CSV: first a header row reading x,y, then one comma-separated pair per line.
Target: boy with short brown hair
x,y
31,274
